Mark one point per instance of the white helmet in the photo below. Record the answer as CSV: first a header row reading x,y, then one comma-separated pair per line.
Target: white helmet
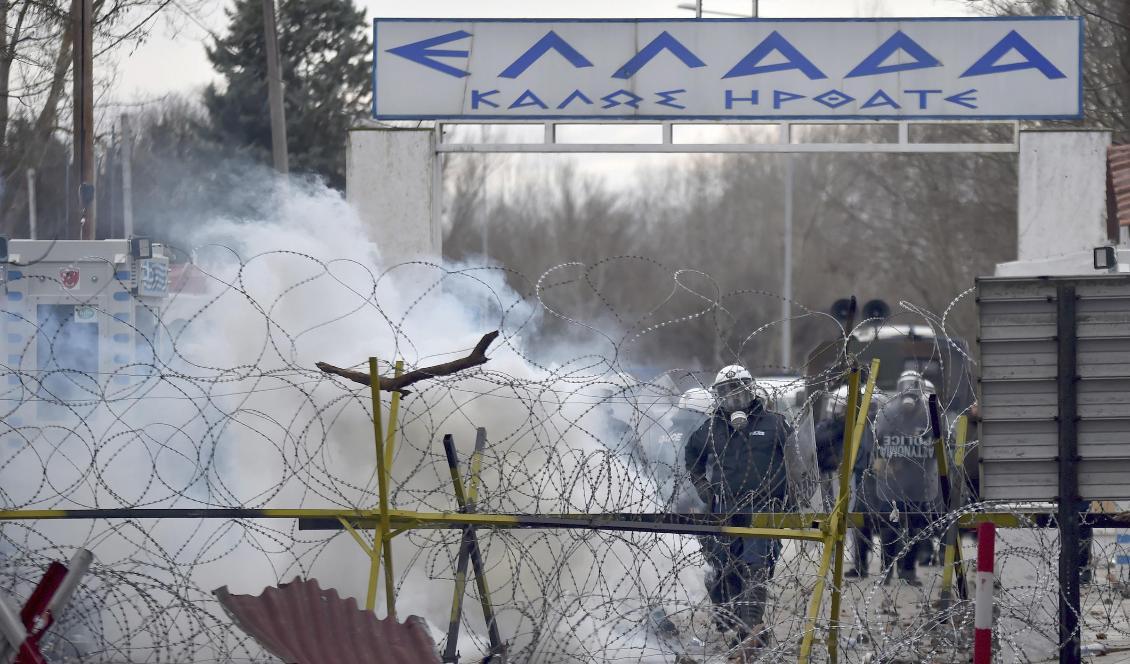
x,y
913,381
732,372
733,388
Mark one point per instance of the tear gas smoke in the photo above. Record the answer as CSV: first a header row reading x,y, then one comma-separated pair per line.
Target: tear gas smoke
x,y
231,412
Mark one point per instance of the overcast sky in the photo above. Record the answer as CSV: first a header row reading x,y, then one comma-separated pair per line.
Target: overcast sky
x,y
173,59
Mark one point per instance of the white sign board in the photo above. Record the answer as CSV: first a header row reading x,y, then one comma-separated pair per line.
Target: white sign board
x,y
719,69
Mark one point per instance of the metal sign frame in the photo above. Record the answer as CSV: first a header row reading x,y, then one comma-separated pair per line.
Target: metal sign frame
x,y
786,141
441,53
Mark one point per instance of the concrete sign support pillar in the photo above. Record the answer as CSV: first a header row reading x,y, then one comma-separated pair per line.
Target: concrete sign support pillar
x,y
1061,208
393,180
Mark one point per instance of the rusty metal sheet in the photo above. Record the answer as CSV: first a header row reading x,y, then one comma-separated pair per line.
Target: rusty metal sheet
x,y
1118,163
300,623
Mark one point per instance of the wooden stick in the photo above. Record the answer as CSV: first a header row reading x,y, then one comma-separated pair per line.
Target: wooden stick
x,y
397,384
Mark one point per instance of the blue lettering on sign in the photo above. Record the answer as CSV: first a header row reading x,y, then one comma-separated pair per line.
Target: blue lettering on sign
x,y
633,99
667,98
780,97
1123,539
898,53
749,65
880,98
923,95
1122,560
421,52
834,98
551,41
478,97
730,98
528,98
1033,59
575,94
873,64
963,98
663,42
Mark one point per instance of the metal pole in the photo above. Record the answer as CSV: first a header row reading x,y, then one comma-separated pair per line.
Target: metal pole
x,y
382,529
81,30
837,542
31,203
698,8
274,89
469,549
983,606
787,301
953,562
755,8
127,178
1069,549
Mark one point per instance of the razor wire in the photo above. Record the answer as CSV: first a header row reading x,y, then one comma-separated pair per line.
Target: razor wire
x,y
214,402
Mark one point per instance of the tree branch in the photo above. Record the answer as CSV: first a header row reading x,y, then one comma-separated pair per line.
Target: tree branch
x,y
474,359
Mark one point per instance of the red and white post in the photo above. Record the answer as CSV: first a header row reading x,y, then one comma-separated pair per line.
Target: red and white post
x,y
983,606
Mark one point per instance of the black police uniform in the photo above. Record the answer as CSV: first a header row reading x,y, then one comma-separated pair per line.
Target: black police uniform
x,y
738,472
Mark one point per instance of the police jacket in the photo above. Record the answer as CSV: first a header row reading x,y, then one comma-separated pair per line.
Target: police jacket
x,y
905,468
742,470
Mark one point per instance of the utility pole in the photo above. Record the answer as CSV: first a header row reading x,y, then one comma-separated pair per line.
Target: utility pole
x,y
31,209
127,178
82,17
787,295
274,89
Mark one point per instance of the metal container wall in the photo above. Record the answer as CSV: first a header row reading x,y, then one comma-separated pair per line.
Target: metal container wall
x,y
1019,398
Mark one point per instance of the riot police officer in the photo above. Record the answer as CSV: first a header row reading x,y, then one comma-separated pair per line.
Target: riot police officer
x,y
907,489
736,461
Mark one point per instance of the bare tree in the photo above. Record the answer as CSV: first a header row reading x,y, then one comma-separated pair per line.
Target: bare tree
x,y
35,64
1106,65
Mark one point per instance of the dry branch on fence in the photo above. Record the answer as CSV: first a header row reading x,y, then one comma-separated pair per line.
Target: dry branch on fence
x,y
397,384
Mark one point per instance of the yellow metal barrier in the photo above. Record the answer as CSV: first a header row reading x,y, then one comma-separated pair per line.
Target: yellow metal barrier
x,y
386,522
836,527
952,561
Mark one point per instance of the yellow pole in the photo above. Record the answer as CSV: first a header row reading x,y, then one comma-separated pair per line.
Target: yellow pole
x,y
390,438
473,485
836,538
814,602
356,537
953,543
386,473
830,528
855,421
378,432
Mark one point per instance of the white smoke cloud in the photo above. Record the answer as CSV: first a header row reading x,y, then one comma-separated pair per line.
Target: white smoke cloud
x,y
236,415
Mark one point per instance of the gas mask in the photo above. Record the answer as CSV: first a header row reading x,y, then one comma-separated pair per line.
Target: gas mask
x,y
735,398
909,402
738,419
913,389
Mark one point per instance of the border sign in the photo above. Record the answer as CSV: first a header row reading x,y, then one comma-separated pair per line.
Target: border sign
x,y
728,69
